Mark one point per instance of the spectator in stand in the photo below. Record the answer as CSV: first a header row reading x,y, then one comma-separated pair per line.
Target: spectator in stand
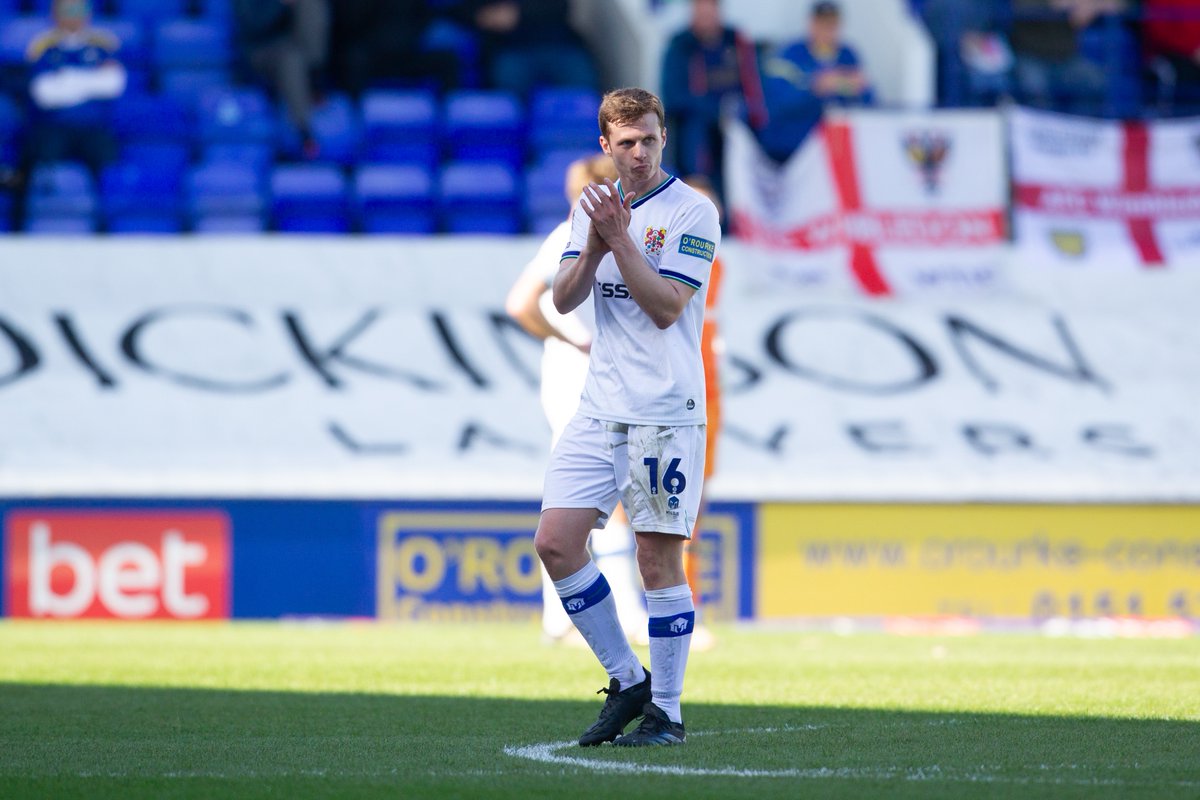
x,y
529,43
285,42
710,70
383,39
1171,35
806,76
974,60
76,77
1052,70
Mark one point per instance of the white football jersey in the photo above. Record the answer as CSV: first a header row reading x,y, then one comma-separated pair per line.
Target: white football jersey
x,y
639,374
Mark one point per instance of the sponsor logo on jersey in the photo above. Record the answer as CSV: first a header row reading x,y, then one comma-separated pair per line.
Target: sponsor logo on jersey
x,y
700,248
618,290
655,238
691,404
1069,243
927,150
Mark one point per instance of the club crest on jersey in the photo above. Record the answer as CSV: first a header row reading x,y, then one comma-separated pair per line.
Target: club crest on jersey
x,y
655,238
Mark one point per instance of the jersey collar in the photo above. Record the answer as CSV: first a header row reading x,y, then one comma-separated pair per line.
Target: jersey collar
x,y
653,192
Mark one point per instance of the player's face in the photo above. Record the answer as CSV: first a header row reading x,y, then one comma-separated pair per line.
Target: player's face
x,y
636,150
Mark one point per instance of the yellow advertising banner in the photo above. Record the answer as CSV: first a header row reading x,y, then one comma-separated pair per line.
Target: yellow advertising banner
x,y
992,561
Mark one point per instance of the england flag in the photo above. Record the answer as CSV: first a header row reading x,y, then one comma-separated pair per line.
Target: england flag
x,y
877,202
1105,193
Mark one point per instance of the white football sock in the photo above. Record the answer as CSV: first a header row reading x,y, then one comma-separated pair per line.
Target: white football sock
x,y
615,552
588,600
555,622
672,618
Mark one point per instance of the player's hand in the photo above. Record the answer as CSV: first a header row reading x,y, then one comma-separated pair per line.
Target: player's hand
x,y
609,212
595,242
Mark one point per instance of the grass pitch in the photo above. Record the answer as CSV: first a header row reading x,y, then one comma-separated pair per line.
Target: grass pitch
x,y
485,710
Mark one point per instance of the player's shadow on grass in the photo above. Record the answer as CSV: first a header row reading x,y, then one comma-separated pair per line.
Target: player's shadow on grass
x,y
118,741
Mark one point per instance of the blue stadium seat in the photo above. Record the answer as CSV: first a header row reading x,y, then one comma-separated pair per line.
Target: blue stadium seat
x,y
217,10
231,225
151,9
145,224
545,202
59,226
165,157
141,197
337,127
480,197
7,201
222,190
485,126
12,119
562,118
256,155
400,126
153,118
10,151
395,198
309,198
192,44
443,34
188,85
61,189
135,49
236,114
15,36
561,158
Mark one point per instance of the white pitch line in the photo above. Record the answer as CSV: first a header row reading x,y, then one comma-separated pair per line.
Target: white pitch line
x,y
550,753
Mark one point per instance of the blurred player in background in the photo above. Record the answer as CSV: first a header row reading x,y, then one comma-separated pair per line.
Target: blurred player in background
x,y
641,249
710,350
567,338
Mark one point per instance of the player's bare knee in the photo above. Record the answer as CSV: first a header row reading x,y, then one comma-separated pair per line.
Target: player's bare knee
x,y
660,560
548,546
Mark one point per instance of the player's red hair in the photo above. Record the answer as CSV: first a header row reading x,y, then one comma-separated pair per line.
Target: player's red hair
x,y
625,106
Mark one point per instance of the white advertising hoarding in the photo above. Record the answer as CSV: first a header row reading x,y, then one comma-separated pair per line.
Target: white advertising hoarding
x,y
351,367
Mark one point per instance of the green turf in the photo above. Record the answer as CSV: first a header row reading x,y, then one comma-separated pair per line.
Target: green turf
x,y
365,710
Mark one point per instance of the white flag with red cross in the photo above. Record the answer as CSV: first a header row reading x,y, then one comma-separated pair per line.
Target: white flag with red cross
x,y
1105,192
884,202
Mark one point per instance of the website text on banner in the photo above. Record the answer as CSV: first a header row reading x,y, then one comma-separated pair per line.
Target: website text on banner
x,y
873,201
1105,193
1012,562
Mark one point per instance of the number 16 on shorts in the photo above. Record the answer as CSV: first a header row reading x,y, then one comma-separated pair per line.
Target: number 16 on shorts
x,y
665,492
673,480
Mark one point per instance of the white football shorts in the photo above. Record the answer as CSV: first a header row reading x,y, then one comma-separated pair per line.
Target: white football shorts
x,y
656,471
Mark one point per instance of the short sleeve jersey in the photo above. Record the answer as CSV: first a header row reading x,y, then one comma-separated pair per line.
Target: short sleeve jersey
x,y
640,374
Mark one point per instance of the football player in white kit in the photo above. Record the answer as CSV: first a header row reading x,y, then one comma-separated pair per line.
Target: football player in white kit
x,y
641,249
567,339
